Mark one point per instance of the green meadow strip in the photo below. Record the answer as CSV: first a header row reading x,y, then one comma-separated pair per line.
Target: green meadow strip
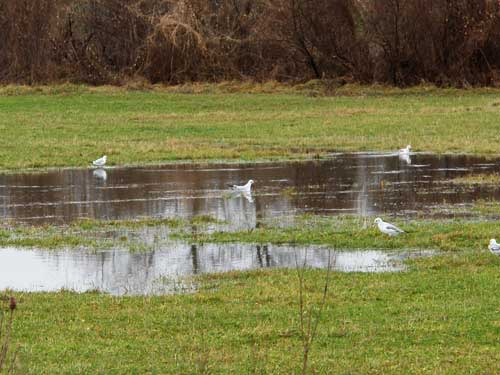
x,y
69,126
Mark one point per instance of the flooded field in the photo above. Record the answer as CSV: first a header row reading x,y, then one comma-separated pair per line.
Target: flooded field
x,y
168,270
360,184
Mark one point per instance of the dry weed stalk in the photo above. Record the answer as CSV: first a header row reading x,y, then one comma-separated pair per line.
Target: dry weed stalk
x,y
310,318
7,359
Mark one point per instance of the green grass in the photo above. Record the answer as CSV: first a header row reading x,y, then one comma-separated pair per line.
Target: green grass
x,y
342,232
64,126
347,232
442,317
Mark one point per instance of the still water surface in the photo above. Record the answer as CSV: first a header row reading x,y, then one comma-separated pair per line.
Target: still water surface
x,y
168,270
361,184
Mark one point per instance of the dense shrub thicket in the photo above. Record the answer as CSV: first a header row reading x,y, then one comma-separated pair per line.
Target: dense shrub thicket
x,y
401,42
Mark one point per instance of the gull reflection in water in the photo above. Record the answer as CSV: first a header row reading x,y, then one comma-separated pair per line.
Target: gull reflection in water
x,y
100,174
405,158
240,210
245,194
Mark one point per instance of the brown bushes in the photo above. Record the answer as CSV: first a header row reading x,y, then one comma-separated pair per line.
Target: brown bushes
x,y
403,42
26,50
438,41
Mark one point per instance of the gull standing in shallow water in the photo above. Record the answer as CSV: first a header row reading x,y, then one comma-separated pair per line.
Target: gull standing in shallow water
x,y
247,188
494,247
100,162
388,228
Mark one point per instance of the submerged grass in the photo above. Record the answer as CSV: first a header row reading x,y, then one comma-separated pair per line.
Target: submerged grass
x,y
477,179
97,234
488,208
64,126
441,317
340,232
482,209
353,233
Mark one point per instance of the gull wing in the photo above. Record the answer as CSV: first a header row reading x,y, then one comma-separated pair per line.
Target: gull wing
x,y
394,228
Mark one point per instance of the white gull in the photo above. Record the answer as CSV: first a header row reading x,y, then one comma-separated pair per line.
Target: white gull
x,y
388,228
100,162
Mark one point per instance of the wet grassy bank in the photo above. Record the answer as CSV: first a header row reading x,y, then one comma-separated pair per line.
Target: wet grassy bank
x,y
460,233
